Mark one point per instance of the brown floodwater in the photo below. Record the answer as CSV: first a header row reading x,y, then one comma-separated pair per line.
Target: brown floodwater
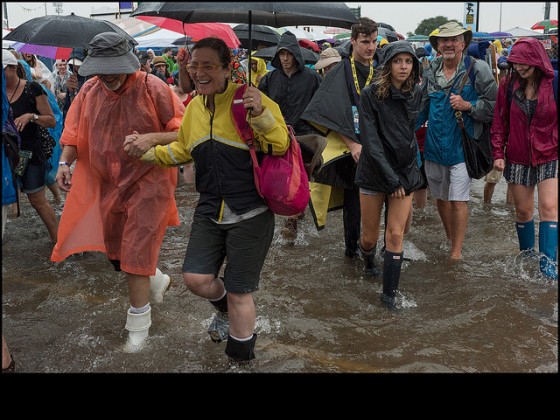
x,y
316,311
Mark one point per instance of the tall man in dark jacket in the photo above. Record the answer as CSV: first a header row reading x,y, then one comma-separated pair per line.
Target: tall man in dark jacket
x,y
291,85
334,110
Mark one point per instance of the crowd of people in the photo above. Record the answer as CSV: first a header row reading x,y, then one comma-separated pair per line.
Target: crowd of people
x,y
387,114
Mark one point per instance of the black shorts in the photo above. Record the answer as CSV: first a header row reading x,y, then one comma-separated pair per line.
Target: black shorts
x,y
244,244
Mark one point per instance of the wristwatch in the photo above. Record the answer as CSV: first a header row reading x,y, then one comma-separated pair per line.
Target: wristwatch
x,y
35,118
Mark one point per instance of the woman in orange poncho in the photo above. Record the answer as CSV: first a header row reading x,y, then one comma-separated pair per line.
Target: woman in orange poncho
x,y
118,205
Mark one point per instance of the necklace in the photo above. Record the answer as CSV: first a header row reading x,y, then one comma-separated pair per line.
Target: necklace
x,y
12,97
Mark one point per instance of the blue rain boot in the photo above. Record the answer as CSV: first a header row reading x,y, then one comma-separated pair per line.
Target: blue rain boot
x,y
548,245
526,235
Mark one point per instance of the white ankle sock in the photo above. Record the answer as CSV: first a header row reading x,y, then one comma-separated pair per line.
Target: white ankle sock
x,y
242,339
140,310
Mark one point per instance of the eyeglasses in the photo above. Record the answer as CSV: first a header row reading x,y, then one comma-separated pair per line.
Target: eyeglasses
x,y
207,68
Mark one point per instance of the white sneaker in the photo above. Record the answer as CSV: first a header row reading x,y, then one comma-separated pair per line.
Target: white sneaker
x,y
158,286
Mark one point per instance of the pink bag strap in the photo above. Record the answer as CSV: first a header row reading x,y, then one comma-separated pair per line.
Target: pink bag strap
x,y
239,114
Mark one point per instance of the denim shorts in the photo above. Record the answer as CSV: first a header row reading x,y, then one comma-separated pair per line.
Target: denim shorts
x,y
33,179
244,245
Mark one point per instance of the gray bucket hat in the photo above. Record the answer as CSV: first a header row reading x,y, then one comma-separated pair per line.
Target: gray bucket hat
x,y
448,30
109,53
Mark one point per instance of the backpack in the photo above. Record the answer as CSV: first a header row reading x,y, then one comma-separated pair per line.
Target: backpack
x,y
281,181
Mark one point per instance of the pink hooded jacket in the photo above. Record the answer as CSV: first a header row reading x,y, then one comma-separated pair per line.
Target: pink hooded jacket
x,y
527,144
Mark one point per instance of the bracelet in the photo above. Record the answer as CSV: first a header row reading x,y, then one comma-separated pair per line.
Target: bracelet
x,y
63,163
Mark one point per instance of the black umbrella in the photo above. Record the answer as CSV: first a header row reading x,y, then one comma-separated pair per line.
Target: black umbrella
x,y
273,14
184,40
68,31
388,34
268,53
385,25
261,35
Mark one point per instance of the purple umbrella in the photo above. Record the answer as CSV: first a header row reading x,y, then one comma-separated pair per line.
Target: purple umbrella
x,y
501,34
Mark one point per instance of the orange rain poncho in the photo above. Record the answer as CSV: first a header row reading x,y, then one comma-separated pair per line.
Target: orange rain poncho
x,y
118,204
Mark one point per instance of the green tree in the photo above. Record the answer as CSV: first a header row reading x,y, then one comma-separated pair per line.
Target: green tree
x,y
428,25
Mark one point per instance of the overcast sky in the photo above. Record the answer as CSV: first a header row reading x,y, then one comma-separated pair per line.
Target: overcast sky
x,y
405,17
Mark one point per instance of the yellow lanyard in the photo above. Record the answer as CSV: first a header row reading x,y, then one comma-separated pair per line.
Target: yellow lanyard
x,y
356,76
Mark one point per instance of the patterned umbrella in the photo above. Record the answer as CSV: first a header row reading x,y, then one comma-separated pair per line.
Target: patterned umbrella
x,y
545,24
43,50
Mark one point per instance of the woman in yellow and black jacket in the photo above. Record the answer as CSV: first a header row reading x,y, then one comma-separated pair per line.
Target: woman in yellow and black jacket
x,y
231,219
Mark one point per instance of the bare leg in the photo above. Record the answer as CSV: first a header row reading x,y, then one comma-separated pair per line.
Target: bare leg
x,y
138,290
459,220
524,198
409,218
6,356
509,195
397,220
242,314
488,191
55,192
371,206
548,200
420,198
206,286
444,210
44,209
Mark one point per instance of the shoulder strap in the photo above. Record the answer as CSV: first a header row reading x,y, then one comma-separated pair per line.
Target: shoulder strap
x,y
239,113
472,75
466,76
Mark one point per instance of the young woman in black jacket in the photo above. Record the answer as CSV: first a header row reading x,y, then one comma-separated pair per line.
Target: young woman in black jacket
x,y
388,166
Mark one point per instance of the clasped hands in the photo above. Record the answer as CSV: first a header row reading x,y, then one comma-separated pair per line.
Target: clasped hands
x,y
136,144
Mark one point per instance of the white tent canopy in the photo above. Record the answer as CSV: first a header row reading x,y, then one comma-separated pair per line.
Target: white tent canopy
x,y
6,44
159,39
519,31
299,33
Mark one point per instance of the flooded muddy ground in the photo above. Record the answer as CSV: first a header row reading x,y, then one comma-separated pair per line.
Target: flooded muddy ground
x,y
316,311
